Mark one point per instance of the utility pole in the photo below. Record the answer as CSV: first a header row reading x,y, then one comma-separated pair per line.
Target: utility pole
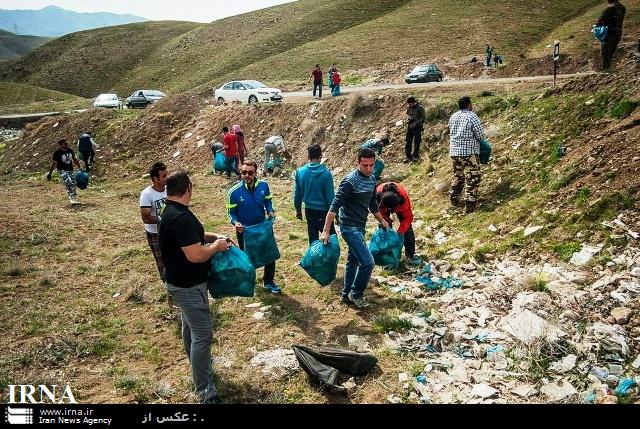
x,y
556,57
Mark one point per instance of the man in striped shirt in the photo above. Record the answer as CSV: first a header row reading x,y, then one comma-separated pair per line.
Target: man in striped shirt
x,y
464,148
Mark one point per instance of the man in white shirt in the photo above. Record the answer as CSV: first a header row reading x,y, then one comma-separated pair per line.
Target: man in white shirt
x,y
273,148
152,200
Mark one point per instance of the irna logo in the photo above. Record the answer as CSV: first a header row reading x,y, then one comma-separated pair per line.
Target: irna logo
x,y
40,394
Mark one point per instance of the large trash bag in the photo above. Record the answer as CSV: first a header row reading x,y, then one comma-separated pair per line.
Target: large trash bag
x,y
347,361
260,243
318,372
231,274
386,247
320,261
273,163
218,162
377,169
600,32
82,179
485,152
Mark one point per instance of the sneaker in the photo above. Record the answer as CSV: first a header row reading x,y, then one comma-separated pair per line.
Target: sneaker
x,y
272,287
345,300
416,261
415,159
358,302
73,201
407,160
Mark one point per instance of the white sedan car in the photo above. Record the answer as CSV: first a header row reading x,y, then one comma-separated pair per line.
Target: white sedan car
x,y
247,91
107,100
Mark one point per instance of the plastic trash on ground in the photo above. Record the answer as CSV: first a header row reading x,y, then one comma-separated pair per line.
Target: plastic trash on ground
x,y
386,247
625,385
260,243
231,274
320,261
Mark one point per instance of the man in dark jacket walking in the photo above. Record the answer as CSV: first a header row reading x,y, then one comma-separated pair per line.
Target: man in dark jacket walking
x,y
313,185
316,74
85,147
612,17
415,119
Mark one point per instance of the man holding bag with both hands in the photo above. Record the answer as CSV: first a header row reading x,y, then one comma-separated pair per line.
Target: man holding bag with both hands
x,y
356,197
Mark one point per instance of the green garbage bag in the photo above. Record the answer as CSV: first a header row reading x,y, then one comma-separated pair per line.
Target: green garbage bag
x,y
386,247
485,151
82,179
273,163
260,243
377,169
231,274
320,261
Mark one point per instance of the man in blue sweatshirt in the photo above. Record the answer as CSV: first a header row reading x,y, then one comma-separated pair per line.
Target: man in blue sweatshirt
x,y
313,185
247,203
356,197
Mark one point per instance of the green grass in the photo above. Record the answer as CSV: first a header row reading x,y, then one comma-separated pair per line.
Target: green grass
x,y
623,108
386,323
20,98
14,45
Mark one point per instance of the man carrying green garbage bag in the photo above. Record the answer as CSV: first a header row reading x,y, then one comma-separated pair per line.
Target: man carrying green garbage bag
x,y
393,198
248,201
313,186
185,255
356,197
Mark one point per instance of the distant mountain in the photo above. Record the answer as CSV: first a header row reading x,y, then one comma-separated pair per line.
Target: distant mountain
x,y
53,21
14,46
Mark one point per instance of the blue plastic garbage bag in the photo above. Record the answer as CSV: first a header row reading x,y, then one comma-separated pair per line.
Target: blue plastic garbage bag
x,y
624,386
260,243
82,179
218,162
386,247
485,151
273,163
600,32
320,261
378,167
231,274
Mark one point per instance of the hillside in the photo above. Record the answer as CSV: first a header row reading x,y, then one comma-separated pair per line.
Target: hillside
x,y
280,44
13,45
119,343
19,98
53,21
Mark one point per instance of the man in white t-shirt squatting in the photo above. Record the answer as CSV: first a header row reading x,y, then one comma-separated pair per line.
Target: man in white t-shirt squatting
x,y
152,201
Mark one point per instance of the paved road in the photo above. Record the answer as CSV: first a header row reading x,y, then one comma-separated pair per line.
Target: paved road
x,y
445,84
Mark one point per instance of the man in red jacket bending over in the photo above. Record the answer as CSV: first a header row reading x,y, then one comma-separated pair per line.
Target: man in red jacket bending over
x,y
393,198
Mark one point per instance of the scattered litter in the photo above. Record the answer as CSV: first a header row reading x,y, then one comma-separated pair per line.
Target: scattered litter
x,y
558,390
492,228
176,154
611,338
566,364
625,385
585,254
403,377
483,391
524,390
421,379
117,294
277,362
493,350
200,143
399,123
360,344
440,238
254,305
636,363
436,283
258,315
528,326
188,135
532,229
56,124
394,399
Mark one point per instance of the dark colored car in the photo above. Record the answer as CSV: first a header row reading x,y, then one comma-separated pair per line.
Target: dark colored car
x,y
142,98
424,73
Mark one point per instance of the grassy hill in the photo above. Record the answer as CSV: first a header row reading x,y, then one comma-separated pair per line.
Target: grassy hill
x,y
280,44
20,98
13,45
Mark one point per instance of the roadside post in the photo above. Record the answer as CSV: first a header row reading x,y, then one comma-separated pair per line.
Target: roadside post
x,y
556,57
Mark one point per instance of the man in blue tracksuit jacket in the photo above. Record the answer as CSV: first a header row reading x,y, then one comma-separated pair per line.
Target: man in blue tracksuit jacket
x,y
356,197
247,203
313,185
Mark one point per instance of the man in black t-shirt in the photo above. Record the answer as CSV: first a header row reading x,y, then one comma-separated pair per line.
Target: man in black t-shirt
x,y
63,159
186,260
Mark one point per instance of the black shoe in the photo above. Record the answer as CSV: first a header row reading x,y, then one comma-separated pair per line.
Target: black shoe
x,y
454,202
346,301
407,160
415,159
470,207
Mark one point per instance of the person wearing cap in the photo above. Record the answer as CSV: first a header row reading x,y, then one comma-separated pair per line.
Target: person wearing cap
x,y
63,159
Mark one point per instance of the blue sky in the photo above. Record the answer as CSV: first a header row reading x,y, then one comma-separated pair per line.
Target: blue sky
x,y
183,10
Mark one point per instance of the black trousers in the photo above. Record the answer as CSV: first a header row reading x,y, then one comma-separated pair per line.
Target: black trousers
x,y
414,138
607,49
269,269
315,223
86,157
409,241
317,85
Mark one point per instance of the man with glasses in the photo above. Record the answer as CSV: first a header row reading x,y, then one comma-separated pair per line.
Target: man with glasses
x,y
356,197
186,257
248,201
62,161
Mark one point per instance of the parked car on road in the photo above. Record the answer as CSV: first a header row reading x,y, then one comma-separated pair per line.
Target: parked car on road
x,y
424,73
108,100
143,97
247,91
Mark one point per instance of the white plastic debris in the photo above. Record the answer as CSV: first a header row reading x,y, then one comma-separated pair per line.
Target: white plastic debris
x,y
399,123
360,344
585,254
528,326
176,154
566,364
558,391
483,391
612,338
532,229
440,238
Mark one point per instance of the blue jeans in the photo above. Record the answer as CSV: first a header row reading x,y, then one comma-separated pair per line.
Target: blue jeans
x,y
197,332
359,262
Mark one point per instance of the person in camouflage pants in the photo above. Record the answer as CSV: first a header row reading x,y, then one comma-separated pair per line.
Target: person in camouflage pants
x,y
466,133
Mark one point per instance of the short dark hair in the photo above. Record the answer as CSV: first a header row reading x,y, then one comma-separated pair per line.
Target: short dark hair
x,y
389,200
464,102
314,151
385,141
62,141
317,65
365,152
225,129
177,183
155,169
250,163
411,100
